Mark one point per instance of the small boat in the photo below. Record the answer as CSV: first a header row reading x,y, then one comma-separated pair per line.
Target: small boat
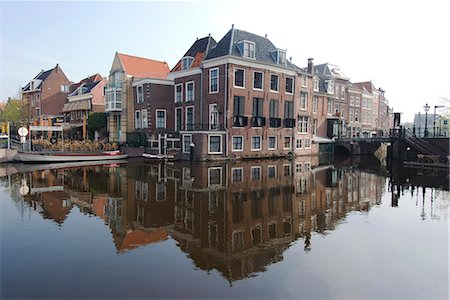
x,y
48,157
158,156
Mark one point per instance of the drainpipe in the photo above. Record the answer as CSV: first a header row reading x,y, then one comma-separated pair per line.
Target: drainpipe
x,y
225,109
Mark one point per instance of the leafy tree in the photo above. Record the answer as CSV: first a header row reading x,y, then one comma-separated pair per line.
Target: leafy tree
x,y
97,122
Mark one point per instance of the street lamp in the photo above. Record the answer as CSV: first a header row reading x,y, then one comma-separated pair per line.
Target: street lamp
x,y
434,118
426,108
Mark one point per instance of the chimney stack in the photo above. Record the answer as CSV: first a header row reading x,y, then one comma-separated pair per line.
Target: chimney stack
x,y
290,59
310,66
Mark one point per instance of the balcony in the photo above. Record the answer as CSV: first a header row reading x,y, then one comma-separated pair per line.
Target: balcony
x,y
113,86
258,121
202,127
274,122
113,100
240,121
289,123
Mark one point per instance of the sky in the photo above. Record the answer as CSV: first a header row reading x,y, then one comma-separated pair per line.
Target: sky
x,y
401,46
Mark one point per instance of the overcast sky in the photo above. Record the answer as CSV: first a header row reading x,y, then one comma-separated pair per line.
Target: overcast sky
x,y
402,46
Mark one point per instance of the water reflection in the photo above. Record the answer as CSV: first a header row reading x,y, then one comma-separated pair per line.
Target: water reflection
x,y
236,218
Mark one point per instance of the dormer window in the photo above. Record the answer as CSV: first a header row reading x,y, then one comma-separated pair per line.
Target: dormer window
x,y
247,49
281,57
330,87
186,62
316,84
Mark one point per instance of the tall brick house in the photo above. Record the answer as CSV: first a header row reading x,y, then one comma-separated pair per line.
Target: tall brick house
x,y
119,102
46,94
241,98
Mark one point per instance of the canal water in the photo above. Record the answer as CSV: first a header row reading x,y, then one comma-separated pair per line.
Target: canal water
x,y
253,229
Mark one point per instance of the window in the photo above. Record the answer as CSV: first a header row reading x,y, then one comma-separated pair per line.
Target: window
x,y
330,106
352,101
140,94
189,118
257,107
287,170
303,101
342,92
351,115
357,101
364,103
315,104
356,115
256,143
272,143
307,143
178,93
274,83
287,142
303,124
239,77
238,106
186,62
298,167
307,169
238,143
316,84
273,108
187,140
116,78
314,126
215,144
213,80
249,49
237,174
189,91
144,118
257,80
178,118
160,118
298,144
281,57
256,173
137,119
330,87
289,85
303,79
64,88
272,171
160,191
288,109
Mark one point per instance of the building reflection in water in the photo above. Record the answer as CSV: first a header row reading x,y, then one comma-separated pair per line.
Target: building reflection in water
x,y
236,218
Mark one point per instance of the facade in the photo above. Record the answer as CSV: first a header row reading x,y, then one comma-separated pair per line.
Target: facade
x,y
46,95
242,99
119,102
86,96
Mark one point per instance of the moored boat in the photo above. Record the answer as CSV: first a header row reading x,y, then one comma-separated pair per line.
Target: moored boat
x,y
48,157
158,156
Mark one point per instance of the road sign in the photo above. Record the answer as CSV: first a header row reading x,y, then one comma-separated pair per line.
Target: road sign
x,y
23,131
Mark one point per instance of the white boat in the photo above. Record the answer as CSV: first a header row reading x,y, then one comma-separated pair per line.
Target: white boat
x,y
46,157
158,156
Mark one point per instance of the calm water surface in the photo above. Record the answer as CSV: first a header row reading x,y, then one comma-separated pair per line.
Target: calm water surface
x,y
253,229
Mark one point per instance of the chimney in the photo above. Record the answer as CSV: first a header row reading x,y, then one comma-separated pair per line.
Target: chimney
x,y
232,26
290,59
265,36
310,66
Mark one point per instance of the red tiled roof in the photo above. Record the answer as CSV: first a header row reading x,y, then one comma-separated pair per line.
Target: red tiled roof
x,y
195,63
136,238
367,85
89,79
144,67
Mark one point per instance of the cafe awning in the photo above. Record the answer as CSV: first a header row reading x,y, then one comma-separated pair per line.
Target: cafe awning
x,y
77,105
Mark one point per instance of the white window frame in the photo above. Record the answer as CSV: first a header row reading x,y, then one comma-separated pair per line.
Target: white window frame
x,y
185,59
304,81
307,145
274,167
210,80
293,85
187,91
220,176
181,93
278,83
241,170
232,143
268,142
329,106
181,123
234,78
290,142
296,143
249,52
209,143
262,81
251,173
183,140
136,119
144,122
316,84
260,142
141,98
186,114
315,104
301,101
156,118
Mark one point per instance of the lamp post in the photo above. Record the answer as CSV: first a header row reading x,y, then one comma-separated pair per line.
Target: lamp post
x,y
426,108
434,118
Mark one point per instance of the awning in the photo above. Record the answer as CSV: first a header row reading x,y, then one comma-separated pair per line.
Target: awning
x,y
322,140
71,125
77,105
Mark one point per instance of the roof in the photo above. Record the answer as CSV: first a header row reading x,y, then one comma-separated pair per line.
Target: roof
x,y
264,48
330,70
90,79
41,76
198,50
84,88
368,85
136,238
143,67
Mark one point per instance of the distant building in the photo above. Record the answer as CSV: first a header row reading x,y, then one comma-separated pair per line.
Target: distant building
x,y
419,124
46,94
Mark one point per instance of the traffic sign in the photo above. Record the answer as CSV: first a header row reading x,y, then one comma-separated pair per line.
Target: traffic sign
x,y
23,131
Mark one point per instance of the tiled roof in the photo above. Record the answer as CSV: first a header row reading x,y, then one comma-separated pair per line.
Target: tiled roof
x,y
144,67
198,51
368,85
90,79
41,76
331,70
264,48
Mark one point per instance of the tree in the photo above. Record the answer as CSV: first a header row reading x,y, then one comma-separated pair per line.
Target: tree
x,y
97,122
16,112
